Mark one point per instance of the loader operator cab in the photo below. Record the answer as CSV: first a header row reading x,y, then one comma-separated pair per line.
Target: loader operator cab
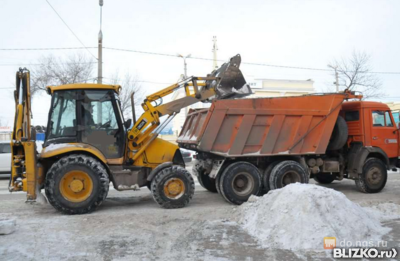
x,y
87,115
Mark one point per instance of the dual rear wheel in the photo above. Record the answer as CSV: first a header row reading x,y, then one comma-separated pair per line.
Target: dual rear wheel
x,y
239,180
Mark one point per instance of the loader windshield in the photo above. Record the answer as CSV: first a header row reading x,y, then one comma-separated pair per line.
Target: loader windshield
x,y
101,124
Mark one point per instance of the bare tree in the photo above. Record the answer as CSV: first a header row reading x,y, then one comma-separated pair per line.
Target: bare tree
x,y
355,74
129,85
57,71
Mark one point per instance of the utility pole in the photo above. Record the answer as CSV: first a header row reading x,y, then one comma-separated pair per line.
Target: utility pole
x,y
100,49
337,79
215,49
184,64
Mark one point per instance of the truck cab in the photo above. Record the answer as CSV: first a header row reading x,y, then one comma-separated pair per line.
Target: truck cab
x,y
371,124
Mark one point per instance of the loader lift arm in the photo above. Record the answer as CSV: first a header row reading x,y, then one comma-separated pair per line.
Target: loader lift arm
x,y
225,82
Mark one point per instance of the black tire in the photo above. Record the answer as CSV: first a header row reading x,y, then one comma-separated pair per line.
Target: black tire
x,y
287,172
64,167
169,174
324,178
373,177
339,135
239,181
204,180
218,183
207,183
267,174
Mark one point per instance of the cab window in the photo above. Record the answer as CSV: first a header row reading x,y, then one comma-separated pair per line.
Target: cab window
x,y
381,119
396,118
99,123
5,148
352,116
388,120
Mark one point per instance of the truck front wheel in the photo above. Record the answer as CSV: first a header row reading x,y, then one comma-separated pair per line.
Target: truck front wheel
x,y
373,177
239,181
173,187
287,172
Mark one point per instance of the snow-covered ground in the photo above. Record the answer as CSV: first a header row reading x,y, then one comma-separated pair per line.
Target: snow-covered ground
x,y
130,226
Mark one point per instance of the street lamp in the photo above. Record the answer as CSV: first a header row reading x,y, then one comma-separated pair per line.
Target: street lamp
x,y
100,48
184,63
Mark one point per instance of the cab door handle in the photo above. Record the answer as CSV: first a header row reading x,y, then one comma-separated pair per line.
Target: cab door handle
x,y
374,138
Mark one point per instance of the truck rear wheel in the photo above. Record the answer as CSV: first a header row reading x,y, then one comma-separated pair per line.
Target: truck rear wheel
x,y
267,174
373,177
287,172
239,181
76,184
339,135
324,178
173,187
205,180
207,183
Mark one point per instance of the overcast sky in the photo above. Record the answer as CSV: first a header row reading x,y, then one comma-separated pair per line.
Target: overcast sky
x,y
291,33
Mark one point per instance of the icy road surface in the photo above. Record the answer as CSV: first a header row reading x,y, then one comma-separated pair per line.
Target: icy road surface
x,y
131,226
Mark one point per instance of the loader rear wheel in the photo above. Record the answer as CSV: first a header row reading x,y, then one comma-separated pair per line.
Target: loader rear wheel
x,y
239,181
76,184
373,177
173,187
324,178
287,172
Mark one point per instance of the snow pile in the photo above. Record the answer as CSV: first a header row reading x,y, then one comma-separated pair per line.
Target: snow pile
x,y
299,216
385,211
7,226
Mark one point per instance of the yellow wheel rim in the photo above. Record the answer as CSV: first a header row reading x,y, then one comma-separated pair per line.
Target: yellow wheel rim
x,y
76,186
174,188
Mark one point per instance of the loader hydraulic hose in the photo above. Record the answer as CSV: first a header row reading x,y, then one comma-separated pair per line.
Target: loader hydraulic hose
x,y
133,108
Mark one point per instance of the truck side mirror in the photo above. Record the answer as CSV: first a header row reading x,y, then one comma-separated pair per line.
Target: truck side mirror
x,y
127,123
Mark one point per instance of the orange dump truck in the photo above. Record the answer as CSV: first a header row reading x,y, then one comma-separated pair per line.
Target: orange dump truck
x,y
249,146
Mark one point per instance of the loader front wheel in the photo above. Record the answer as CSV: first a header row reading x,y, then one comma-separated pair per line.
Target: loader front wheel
x,y
173,187
76,184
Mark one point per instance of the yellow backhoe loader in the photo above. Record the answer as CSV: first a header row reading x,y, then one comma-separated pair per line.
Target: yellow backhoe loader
x,y
88,144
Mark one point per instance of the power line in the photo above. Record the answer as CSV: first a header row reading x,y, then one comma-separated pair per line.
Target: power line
x,y
248,63
70,29
45,48
37,64
194,58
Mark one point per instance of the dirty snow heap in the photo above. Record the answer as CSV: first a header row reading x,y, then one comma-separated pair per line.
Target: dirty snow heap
x,y
299,216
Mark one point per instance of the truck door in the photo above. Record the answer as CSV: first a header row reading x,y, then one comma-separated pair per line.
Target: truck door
x,y
384,134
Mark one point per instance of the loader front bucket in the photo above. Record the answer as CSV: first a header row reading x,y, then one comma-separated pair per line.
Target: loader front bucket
x,y
231,83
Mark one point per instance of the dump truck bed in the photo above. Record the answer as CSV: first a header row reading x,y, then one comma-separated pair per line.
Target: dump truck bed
x,y
263,126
